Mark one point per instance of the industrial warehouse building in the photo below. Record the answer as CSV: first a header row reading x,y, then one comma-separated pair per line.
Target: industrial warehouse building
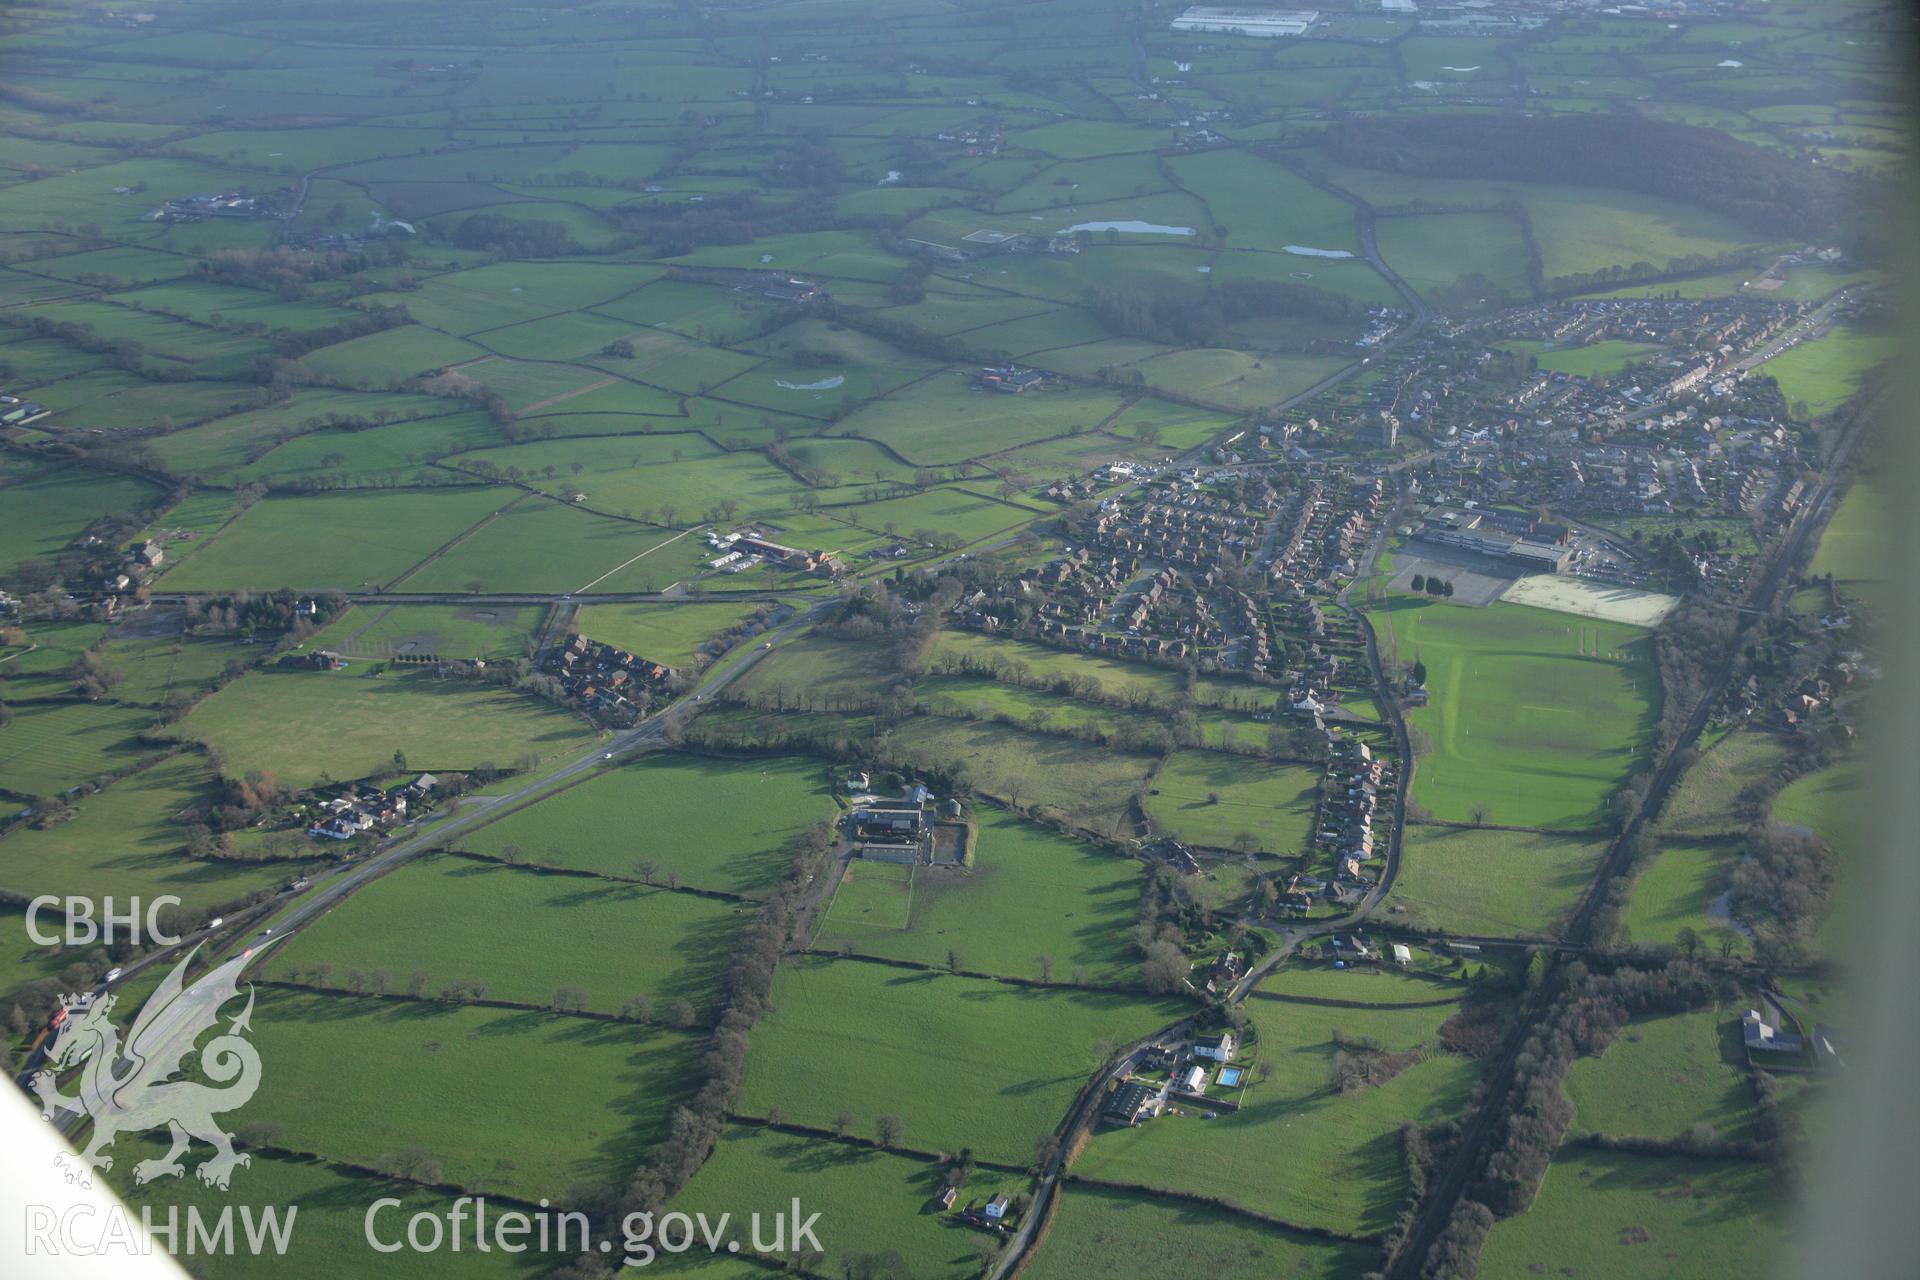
x,y
1266,23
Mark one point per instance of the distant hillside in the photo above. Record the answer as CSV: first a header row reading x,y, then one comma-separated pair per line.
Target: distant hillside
x,y
1769,192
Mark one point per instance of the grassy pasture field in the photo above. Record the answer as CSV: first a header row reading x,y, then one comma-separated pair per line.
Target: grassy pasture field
x,y
1029,893
1083,783
1112,678
1264,206
397,454
124,841
1100,1233
524,933
1596,359
386,360
1502,883
1606,1214
943,421
978,697
671,633
1297,1149
51,746
43,513
447,631
1833,803
536,545
432,1067
1271,802
1821,374
330,1227
228,444
716,823
1851,544
1696,1065
1360,984
1439,254
299,725
347,541
1535,715
1676,890
964,1062
1707,800
869,1201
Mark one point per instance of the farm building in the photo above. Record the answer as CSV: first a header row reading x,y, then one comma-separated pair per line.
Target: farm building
x,y
1130,1104
1764,1036
1265,23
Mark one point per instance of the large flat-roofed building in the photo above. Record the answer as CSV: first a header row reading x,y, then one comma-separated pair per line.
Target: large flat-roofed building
x,y
1246,22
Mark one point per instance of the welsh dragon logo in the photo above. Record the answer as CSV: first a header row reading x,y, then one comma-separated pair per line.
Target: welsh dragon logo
x,y
128,1089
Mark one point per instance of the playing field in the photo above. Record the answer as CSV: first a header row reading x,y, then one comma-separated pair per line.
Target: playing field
x,y
1535,718
1587,599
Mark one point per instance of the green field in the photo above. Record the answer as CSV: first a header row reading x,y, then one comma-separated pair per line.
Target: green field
x,y
1448,256
1663,1075
525,934
1029,893
1297,1149
1676,890
715,823
868,1201
1821,374
964,1062
124,841
489,631
329,1226
419,1072
299,725
51,746
1537,716
1499,883
1833,803
1079,782
1233,802
535,302
1102,1234
1594,360
1608,1214
348,541
1851,544
1708,799
44,513
674,634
